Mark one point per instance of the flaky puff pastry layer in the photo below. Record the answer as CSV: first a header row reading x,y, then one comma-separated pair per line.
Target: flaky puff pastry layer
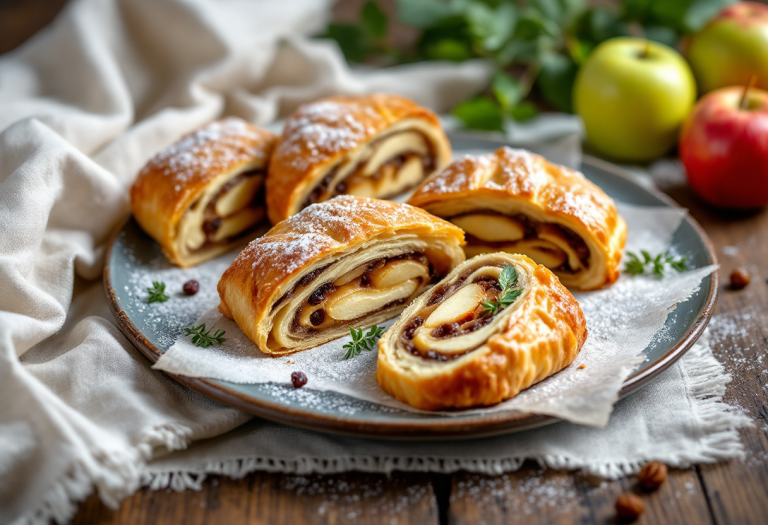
x,y
515,181
538,335
274,276
332,134
171,192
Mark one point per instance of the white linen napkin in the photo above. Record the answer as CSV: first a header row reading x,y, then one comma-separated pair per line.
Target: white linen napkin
x,y
83,106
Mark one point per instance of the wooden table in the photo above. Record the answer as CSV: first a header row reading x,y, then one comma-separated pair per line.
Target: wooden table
x,y
733,492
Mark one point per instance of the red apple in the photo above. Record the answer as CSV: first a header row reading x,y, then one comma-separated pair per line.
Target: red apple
x,y
731,48
724,147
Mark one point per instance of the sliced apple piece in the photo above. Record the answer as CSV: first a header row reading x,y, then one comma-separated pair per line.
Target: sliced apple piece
x,y
391,147
490,227
541,251
395,272
463,302
555,236
350,275
238,196
350,301
238,223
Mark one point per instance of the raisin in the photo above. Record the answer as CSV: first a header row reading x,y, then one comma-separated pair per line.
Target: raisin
x,y
317,317
318,296
191,287
412,326
299,379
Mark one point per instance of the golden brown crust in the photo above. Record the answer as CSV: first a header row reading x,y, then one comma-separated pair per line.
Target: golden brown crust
x,y
321,133
271,266
176,177
542,335
559,194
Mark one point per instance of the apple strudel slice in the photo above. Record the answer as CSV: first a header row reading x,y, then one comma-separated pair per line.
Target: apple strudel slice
x,y
494,326
371,146
350,261
518,202
205,194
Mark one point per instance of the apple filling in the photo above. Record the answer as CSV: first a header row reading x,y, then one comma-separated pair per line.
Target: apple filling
x,y
454,321
225,214
555,246
386,167
362,291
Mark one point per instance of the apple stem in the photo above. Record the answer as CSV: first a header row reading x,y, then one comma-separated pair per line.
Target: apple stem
x,y
751,83
646,49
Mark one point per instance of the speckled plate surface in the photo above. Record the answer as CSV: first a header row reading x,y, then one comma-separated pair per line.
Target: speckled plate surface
x,y
132,252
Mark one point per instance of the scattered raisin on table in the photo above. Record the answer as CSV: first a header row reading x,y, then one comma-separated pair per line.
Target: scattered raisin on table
x,y
629,507
191,287
652,475
740,278
299,379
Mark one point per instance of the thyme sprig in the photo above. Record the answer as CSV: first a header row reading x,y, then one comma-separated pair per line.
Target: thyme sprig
x,y
205,339
647,263
361,341
157,292
507,281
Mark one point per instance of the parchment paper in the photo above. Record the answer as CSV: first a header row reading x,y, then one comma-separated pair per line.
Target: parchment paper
x,y
622,321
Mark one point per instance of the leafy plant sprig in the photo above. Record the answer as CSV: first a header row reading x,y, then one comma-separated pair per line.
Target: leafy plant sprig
x,y
361,341
532,45
205,339
646,263
157,293
507,281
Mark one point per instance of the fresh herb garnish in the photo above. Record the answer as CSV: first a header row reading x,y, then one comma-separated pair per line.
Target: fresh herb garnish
x,y
646,263
507,280
157,293
205,339
362,341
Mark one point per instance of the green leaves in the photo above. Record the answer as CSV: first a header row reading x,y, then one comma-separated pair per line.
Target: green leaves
x,y
556,78
535,45
360,41
361,341
374,20
507,277
205,339
507,280
157,293
480,113
646,263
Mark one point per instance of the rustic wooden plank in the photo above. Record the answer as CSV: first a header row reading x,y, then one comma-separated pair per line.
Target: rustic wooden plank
x,y
553,497
263,498
738,490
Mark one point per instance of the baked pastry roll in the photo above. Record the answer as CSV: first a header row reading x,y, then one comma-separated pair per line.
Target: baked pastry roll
x,y
371,146
496,325
204,194
350,261
518,202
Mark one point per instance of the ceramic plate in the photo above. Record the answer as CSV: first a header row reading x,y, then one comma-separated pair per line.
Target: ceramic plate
x,y
132,252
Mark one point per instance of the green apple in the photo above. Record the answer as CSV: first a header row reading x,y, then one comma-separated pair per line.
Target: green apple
x,y
633,96
732,48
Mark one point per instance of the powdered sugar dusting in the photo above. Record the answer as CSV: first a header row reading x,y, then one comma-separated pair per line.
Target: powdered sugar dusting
x,y
321,130
209,151
622,320
321,228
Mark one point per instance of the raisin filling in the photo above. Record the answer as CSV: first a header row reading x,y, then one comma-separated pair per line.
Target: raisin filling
x,y
323,191
532,230
472,322
213,222
325,308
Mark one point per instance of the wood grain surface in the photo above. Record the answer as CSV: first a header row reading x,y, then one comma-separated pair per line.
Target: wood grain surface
x,y
733,492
